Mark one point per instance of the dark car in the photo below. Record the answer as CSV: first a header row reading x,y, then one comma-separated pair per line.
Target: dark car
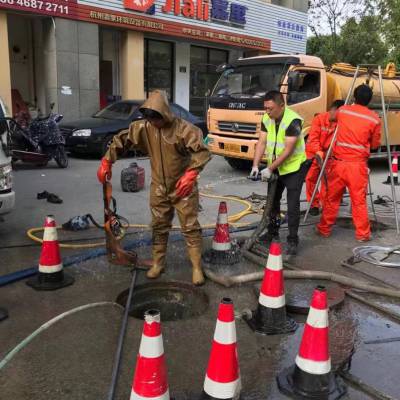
x,y
93,135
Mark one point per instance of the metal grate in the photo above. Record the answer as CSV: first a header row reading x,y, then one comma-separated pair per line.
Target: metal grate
x,y
226,126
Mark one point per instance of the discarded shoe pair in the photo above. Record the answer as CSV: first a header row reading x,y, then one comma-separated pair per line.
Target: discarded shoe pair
x,y
51,197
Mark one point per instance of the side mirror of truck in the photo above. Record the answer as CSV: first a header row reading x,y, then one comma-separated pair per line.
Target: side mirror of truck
x,y
294,81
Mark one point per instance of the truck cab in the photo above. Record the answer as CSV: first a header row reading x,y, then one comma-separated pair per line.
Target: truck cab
x,y
237,102
7,196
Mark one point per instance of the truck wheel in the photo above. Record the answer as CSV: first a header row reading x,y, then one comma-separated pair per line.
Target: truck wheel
x,y
239,164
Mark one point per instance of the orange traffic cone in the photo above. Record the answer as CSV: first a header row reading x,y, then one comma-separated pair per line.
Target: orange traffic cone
x,y
395,171
222,378
150,379
311,376
270,317
222,251
51,275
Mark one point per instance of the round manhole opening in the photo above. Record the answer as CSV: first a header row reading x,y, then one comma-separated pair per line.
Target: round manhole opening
x,y
175,300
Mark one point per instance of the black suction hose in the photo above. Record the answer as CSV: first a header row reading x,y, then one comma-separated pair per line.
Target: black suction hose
x,y
117,359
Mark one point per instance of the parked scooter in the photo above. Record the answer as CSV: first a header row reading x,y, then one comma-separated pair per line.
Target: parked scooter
x,y
41,142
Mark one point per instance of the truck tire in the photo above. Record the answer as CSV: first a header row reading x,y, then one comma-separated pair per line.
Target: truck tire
x,y
239,164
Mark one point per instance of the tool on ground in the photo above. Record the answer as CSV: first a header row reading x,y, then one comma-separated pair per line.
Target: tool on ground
x,y
270,316
115,229
121,338
150,379
222,379
223,250
132,178
375,255
370,68
265,219
395,171
50,275
311,376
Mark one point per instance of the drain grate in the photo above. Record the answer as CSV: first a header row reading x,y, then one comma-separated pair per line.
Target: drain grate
x,y
175,300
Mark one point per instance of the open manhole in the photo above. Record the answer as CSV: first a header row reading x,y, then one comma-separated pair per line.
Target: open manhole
x,y
175,300
347,223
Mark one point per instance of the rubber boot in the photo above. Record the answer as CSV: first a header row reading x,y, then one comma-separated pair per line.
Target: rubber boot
x,y
159,251
195,258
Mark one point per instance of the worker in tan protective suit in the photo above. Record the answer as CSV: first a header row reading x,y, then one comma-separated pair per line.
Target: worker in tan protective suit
x,y
177,155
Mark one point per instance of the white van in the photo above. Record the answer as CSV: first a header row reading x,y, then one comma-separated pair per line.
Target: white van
x,y
7,196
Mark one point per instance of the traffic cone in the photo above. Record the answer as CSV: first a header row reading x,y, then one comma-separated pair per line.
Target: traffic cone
x,y
222,251
311,376
270,316
395,171
150,378
51,275
222,378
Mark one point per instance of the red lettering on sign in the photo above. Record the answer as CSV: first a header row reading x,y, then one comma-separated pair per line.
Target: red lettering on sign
x,y
167,7
188,9
138,5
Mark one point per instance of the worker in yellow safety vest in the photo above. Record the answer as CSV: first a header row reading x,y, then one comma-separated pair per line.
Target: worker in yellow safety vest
x,y
282,141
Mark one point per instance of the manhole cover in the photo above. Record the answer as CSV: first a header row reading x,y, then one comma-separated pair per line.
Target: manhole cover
x,y
347,223
174,300
299,293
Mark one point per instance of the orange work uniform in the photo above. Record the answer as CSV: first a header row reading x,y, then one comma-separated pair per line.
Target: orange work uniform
x,y
319,139
359,130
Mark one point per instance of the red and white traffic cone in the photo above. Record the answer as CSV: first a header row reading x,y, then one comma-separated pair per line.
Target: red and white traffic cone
x,y
51,275
222,240
395,171
311,376
222,251
270,316
222,378
150,379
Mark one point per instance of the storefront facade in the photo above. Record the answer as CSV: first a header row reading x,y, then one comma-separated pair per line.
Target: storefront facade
x,y
84,54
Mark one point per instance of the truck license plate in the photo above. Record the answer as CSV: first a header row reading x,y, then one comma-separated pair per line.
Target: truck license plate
x,y
234,148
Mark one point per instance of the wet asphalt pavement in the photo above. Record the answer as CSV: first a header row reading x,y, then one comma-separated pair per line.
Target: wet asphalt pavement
x,y
73,358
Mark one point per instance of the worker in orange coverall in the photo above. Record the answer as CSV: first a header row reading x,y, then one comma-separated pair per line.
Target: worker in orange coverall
x,y
359,130
318,142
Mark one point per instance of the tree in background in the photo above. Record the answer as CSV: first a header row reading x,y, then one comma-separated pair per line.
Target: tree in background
x,y
361,42
326,17
389,12
347,32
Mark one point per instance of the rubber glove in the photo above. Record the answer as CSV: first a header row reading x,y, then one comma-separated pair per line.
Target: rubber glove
x,y
185,184
319,156
254,173
104,172
266,175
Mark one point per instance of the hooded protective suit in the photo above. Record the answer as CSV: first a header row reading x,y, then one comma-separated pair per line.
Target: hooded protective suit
x,y
173,149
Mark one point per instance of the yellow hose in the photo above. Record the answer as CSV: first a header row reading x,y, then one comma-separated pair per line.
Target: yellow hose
x,y
232,220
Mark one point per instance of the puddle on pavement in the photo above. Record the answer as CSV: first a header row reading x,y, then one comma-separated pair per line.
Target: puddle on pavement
x,y
175,300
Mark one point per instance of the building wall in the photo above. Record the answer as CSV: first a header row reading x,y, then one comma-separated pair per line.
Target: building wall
x,y
77,55
182,74
5,74
261,21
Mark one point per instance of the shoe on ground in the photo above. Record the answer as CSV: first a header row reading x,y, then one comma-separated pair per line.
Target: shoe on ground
x,y
319,233
155,271
291,248
53,198
363,240
314,211
42,195
198,277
